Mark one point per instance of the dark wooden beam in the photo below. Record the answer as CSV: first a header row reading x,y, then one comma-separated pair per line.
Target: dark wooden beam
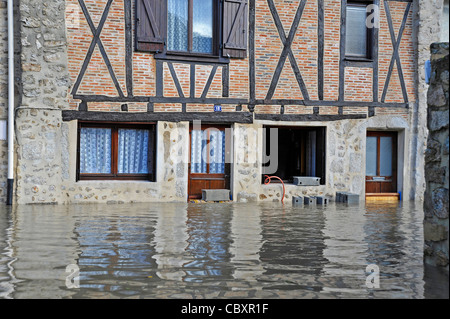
x,y
159,78
287,49
175,79
225,81
320,46
375,36
395,55
206,117
128,47
96,41
251,54
158,99
308,117
343,32
208,83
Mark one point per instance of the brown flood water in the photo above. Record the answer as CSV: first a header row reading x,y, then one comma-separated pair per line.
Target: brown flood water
x,y
221,250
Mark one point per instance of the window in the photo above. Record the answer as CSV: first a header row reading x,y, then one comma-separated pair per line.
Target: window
x,y
358,39
299,151
116,151
192,28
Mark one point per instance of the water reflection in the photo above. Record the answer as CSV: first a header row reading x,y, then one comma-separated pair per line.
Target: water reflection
x,y
212,251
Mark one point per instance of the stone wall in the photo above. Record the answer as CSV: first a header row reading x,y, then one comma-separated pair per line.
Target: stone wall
x,y
45,84
427,16
436,205
345,159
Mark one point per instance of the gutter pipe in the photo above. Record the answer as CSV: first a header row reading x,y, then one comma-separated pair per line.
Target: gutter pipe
x,y
10,181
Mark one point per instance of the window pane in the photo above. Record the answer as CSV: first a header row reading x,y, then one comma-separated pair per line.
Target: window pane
x,y
356,31
217,152
198,152
203,26
177,25
133,151
385,156
371,156
95,150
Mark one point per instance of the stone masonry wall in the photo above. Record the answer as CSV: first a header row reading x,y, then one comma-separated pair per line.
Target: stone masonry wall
x,y
436,204
427,29
45,83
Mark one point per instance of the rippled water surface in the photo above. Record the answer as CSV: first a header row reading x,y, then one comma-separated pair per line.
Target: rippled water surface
x,y
213,251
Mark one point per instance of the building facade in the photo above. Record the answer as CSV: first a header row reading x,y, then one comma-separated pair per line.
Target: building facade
x,y
155,100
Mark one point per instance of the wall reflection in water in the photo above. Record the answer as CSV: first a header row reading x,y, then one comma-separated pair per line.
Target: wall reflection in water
x,y
211,250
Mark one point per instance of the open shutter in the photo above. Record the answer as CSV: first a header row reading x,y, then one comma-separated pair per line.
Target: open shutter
x,y
235,13
151,25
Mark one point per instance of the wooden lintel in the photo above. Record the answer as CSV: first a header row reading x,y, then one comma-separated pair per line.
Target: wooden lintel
x,y
207,117
308,117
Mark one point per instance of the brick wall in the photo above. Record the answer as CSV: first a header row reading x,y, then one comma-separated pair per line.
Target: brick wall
x,y
268,47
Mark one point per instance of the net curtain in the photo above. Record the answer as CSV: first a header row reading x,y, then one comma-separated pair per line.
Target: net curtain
x,y
200,148
177,26
95,151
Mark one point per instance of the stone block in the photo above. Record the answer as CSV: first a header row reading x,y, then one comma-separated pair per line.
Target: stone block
x,y
309,200
297,201
346,197
215,195
306,181
434,232
321,200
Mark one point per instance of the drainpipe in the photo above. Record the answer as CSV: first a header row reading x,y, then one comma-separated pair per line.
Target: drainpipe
x,y
10,182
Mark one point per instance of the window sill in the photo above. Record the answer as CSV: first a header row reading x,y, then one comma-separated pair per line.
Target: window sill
x,y
289,184
114,181
191,57
358,62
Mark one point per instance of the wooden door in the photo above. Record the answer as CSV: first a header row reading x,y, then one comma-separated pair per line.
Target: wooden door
x,y
208,168
381,163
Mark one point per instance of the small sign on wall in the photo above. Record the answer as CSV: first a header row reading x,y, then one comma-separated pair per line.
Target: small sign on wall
x,y
3,130
217,108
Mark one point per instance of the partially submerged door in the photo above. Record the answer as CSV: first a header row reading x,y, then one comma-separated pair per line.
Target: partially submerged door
x,y
381,163
208,168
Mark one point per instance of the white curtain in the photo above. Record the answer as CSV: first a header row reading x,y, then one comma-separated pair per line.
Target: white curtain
x,y
200,147
198,152
133,151
217,152
177,25
95,150
203,26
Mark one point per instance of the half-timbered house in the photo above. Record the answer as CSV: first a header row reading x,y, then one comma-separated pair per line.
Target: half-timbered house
x,y
157,100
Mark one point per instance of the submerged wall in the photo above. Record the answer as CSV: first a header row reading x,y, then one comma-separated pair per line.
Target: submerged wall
x,y
436,205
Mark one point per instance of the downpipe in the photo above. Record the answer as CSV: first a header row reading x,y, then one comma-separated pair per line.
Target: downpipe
x,y
10,181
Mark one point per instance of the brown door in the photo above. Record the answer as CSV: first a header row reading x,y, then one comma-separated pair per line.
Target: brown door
x,y
208,167
381,163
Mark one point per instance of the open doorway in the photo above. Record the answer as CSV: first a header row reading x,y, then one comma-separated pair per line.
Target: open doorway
x,y
300,152
381,164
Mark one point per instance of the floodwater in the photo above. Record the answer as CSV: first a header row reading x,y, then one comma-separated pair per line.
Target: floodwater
x,y
220,250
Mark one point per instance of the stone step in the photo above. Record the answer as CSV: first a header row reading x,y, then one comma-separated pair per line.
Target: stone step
x,y
215,195
346,197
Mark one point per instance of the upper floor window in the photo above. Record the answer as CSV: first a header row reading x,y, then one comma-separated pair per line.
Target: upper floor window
x,y
192,28
358,39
